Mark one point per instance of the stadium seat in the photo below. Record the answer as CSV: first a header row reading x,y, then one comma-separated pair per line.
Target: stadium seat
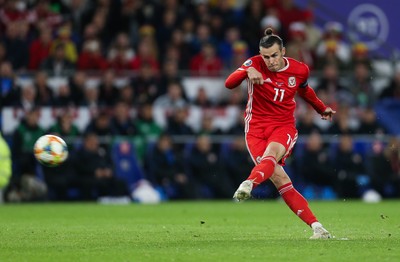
x,y
388,112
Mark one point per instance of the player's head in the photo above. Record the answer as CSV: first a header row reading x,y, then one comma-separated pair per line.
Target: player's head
x,y
272,50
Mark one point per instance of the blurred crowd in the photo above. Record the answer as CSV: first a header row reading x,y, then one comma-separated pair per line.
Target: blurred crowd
x,y
139,52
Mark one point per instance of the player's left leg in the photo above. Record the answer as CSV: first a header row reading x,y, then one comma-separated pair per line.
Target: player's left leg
x,y
297,203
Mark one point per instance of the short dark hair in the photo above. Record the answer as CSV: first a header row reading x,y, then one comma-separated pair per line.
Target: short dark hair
x,y
270,39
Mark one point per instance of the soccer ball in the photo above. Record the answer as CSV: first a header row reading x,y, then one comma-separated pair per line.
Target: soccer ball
x,y
50,150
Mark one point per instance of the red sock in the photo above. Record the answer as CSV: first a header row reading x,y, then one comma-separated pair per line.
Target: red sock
x,y
262,171
297,203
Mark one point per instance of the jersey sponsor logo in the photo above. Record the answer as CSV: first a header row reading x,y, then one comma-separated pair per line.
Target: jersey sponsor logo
x,y
268,80
292,81
248,63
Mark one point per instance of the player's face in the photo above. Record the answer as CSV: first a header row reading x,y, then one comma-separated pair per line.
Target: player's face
x,y
273,57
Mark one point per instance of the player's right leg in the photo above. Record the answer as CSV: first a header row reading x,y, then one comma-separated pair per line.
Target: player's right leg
x,y
297,203
265,156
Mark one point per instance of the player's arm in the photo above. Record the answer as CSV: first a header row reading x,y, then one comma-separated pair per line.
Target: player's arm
x,y
308,94
236,78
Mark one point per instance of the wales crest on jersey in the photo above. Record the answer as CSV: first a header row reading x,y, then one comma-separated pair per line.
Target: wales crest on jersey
x,y
292,81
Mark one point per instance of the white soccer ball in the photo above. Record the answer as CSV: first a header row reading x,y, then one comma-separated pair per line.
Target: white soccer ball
x,y
50,150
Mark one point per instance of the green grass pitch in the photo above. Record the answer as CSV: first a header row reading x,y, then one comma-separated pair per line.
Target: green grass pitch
x,y
197,231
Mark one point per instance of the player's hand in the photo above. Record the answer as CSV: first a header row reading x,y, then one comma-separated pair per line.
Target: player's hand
x,y
254,76
328,114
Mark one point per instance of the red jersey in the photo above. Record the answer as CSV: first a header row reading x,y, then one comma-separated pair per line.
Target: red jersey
x,y
272,103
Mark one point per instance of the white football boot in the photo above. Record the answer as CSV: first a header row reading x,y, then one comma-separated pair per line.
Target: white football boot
x,y
244,191
319,231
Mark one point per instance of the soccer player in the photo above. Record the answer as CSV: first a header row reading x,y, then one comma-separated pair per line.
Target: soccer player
x,y
270,131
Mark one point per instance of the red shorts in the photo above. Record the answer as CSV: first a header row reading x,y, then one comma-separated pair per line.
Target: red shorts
x,y
257,142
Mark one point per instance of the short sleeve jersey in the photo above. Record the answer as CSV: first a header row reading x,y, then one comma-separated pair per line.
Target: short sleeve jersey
x,y
273,103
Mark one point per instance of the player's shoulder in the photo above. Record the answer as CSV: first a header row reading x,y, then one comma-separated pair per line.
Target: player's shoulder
x,y
254,61
297,66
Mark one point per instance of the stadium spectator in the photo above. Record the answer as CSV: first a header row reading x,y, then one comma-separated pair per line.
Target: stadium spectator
x,y
101,126
61,180
12,11
349,167
127,95
77,83
223,16
369,124
181,43
148,130
201,13
39,49
270,20
147,50
44,93
122,121
176,122
65,127
91,57
174,98
17,45
208,127
146,84
145,124
297,46
237,159
10,92
91,98
379,168
251,29
64,37
306,124
270,122
360,54
332,86
361,86
207,168
314,164
239,125
201,37
202,99
165,168
169,74
206,63
343,123
42,11
96,172
169,21
188,30
120,54
103,15
240,53
312,31
226,46
64,97
332,48
25,185
73,11
108,91
27,99
57,64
